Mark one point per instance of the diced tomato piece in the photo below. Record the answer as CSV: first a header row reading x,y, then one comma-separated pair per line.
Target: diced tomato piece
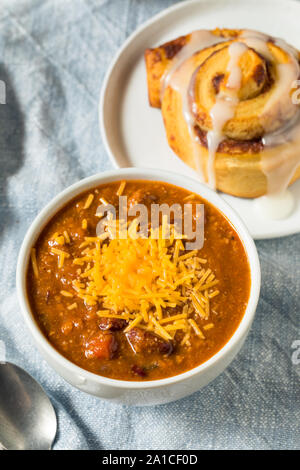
x,y
102,346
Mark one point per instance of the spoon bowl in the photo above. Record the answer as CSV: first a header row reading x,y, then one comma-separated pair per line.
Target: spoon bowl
x,y
27,417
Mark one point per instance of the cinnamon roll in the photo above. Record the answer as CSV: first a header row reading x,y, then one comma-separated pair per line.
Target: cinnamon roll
x,y
230,107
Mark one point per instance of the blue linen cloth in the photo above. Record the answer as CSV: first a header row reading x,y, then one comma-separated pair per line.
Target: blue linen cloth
x,y
53,57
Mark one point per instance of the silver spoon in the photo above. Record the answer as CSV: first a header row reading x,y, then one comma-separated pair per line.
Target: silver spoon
x,y
27,417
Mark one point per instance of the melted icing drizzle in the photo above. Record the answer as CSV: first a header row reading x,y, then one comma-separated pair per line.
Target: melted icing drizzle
x,y
180,82
279,167
221,112
198,40
275,207
224,108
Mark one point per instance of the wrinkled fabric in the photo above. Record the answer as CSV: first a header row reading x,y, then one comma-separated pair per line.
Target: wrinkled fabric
x,y
53,57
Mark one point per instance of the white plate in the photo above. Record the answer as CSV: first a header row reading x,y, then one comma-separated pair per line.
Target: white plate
x,y
133,132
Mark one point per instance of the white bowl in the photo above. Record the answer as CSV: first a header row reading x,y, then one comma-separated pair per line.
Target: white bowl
x,y
149,392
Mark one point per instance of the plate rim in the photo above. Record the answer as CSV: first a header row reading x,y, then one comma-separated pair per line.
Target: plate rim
x,y
131,38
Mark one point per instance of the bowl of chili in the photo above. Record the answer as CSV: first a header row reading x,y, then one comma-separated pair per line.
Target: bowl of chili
x,y
138,319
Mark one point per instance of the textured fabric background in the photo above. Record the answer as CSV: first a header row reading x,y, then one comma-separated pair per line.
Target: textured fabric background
x,y
53,56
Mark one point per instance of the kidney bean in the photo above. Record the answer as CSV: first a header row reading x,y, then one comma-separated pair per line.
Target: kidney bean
x,y
139,370
113,324
147,342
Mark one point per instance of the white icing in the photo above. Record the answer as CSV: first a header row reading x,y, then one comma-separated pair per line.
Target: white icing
x,y
221,112
198,40
275,207
280,167
180,82
236,50
257,41
224,108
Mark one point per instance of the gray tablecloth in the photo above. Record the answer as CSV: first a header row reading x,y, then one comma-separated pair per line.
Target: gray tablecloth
x,y
53,56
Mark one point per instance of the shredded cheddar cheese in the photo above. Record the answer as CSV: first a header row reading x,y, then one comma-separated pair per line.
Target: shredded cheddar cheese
x,y
60,240
140,279
67,237
72,306
121,188
65,293
56,251
34,262
89,201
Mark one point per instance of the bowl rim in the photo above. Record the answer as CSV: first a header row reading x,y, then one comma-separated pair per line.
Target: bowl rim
x,y
176,179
